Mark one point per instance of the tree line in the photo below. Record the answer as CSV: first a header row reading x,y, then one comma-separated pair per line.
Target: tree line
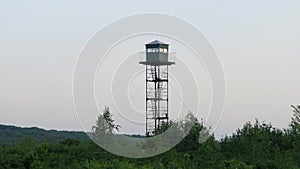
x,y
256,145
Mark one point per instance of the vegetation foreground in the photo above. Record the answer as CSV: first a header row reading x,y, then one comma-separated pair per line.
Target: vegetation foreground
x,y
257,146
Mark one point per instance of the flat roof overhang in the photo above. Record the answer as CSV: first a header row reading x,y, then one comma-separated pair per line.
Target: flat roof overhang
x,y
157,63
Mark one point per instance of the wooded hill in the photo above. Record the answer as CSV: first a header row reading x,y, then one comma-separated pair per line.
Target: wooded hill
x,y
12,134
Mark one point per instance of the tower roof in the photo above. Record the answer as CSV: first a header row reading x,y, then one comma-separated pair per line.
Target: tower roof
x,y
156,42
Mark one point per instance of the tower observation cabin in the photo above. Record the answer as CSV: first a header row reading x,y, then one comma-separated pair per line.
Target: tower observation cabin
x,y
157,63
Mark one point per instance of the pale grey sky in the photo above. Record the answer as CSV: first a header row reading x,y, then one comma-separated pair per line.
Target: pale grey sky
x,y
257,41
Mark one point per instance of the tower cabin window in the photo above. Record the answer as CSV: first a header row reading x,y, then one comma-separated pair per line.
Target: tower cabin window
x,y
165,50
155,50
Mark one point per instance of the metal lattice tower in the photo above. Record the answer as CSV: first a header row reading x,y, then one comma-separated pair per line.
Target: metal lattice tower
x,y
157,64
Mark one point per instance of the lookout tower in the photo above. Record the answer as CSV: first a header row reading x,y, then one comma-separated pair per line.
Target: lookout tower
x,y
157,62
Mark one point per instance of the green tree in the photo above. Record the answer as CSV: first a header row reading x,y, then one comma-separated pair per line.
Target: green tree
x,y
258,145
295,124
105,123
195,132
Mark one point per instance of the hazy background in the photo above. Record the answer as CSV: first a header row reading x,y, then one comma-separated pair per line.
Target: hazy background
x,y
257,41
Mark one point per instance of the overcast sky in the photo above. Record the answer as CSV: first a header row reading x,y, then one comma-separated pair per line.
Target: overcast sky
x,y
257,41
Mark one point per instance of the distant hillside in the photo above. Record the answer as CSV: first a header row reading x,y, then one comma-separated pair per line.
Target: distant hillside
x,y
13,134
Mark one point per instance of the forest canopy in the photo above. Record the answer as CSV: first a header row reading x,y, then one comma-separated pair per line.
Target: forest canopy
x,y
255,145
